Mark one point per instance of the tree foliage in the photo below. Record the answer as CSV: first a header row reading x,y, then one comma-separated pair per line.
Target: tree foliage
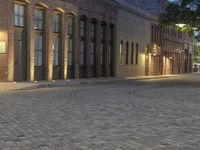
x,y
184,12
196,53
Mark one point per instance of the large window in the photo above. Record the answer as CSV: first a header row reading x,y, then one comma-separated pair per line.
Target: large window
x,y
19,15
121,53
38,49
136,54
39,19
127,52
57,22
93,42
57,39
82,41
102,37
70,39
38,26
110,48
56,50
132,53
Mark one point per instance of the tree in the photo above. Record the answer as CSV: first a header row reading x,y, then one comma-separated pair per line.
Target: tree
x,y
185,12
196,53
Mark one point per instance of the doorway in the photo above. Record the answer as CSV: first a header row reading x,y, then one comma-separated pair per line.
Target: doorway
x,y
19,56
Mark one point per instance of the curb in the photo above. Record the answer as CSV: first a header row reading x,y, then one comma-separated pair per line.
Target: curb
x,y
75,82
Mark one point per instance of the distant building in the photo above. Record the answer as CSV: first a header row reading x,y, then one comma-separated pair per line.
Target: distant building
x,y
144,47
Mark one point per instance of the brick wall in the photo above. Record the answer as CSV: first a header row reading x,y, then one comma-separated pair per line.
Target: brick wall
x,y
3,38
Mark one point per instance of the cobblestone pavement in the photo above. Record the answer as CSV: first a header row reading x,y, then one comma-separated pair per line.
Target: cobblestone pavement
x,y
159,114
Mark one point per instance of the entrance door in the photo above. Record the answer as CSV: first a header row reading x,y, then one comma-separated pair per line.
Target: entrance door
x,y
19,57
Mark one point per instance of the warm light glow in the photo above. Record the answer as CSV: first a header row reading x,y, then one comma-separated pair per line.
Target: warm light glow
x,y
181,25
3,41
2,47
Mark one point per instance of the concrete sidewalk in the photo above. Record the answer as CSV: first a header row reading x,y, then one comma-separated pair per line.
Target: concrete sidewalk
x,y
13,86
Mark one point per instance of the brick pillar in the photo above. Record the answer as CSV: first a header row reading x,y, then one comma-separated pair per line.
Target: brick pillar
x,y
88,47
76,47
49,43
64,46
7,32
98,47
30,43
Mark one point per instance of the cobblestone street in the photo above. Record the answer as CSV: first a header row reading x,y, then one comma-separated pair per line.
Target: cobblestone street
x,y
160,114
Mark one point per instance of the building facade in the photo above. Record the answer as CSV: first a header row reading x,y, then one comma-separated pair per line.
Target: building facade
x,y
65,39
177,51
133,40
57,39
144,46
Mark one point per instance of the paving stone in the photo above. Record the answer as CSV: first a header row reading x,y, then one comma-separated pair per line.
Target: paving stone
x,y
162,114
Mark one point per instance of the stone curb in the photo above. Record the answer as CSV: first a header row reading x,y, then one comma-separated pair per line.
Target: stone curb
x,y
74,82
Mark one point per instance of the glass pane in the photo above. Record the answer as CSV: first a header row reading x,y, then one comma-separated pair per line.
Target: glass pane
x,y
56,58
21,10
16,9
40,14
70,58
21,21
81,58
40,24
40,41
81,46
101,54
40,59
16,21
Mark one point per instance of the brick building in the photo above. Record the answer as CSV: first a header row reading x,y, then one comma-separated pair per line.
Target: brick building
x,y
57,39
64,39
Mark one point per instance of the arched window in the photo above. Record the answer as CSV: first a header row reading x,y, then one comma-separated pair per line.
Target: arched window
x,y
19,13
39,35
93,42
57,37
111,44
82,41
70,44
102,38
